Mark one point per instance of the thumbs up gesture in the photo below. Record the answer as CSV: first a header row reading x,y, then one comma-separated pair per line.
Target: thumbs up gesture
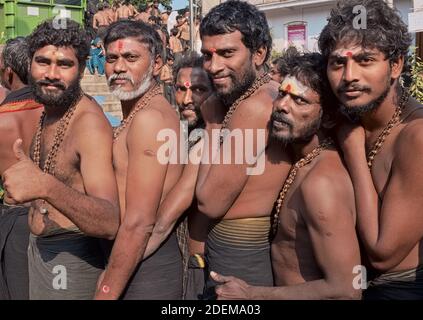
x,y
23,181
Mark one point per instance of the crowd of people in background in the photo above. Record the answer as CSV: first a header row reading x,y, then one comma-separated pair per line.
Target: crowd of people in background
x,y
176,37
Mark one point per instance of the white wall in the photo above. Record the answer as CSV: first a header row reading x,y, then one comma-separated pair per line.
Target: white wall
x,y
315,17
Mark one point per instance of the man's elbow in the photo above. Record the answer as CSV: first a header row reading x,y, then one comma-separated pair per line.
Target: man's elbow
x,y
384,259
113,225
382,264
344,290
208,205
210,209
136,226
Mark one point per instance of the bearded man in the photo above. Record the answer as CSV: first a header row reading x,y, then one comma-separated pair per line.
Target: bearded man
x,y
383,149
236,43
69,179
144,176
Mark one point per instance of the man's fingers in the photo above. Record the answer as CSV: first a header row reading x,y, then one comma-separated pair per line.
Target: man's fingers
x,y
18,150
218,277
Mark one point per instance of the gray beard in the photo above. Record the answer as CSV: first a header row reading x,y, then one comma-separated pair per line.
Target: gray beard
x,y
143,87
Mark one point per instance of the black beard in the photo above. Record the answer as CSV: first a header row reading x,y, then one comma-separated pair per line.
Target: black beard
x,y
239,87
197,123
64,100
305,136
354,113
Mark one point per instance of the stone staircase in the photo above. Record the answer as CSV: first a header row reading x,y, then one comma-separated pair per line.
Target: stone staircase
x,y
96,86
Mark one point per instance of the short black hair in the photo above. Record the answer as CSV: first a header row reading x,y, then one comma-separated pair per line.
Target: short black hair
x,y
235,15
189,60
143,32
66,34
384,31
310,69
174,31
15,55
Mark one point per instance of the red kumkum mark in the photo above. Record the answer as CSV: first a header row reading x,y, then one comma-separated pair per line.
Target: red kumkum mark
x,y
187,84
349,54
288,88
213,50
105,289
120,45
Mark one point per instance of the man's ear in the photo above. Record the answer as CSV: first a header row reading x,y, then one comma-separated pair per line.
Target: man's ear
x,y
259,56
157,65
8,75
396,67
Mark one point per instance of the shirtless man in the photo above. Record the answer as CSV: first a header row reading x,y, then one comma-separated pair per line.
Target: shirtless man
x,y
238,244
109,12
70,181
145,177
364,67
165,15
192,87
123,11
101,19
19,115
315,249
155,11
144,14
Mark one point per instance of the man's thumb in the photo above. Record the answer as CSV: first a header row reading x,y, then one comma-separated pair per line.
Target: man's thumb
x,y
218,277
18,151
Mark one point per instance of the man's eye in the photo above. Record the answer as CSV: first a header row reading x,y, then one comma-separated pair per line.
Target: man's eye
x,y
337,63
365,61
198,90
110,59
282,94
299,100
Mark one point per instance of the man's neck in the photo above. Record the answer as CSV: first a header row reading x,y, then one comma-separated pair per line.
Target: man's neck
x,y
300,150
16,84
228,104
378,118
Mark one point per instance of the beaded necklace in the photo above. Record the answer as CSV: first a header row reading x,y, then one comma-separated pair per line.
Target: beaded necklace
x,y
291,178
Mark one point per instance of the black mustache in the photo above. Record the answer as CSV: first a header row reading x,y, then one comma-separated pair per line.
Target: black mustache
x,y
277,116
187,107
56,84
352,87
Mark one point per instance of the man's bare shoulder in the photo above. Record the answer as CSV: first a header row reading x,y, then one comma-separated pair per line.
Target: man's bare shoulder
x,y
90,116
261,101
409,143
328,182
158,115
9,129
7,121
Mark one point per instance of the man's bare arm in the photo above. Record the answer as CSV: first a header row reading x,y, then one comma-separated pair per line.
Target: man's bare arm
x,y
95,213
144,187
95,22
400,211
226,181
175,204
